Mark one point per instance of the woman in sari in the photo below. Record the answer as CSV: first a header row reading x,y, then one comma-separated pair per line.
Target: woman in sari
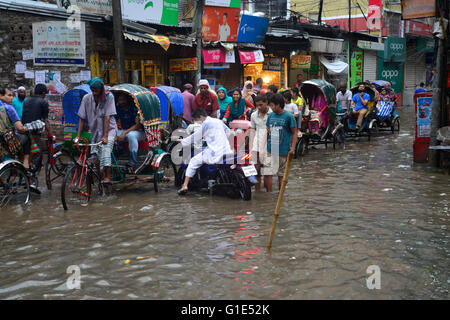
x,y
238,109
224,101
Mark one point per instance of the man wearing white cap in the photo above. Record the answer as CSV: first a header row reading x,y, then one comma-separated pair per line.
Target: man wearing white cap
x,y
206,99
19,100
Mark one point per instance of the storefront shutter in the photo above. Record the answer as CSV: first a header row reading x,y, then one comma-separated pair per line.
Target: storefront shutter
x,y
370,65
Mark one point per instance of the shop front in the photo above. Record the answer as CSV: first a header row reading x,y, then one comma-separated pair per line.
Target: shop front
x,y
272,71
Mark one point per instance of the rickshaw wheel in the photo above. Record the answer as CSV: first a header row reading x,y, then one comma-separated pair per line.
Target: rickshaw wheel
x,y
62,160
395,125
374,130
339,137
165,174
301,147
14,185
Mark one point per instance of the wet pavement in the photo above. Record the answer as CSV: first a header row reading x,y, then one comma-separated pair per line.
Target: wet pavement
x,y
344,210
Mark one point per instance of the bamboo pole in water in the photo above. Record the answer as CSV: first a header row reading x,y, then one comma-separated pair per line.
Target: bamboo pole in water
x,y
280,199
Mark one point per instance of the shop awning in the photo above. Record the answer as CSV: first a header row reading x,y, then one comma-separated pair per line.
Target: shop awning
x,y
147,38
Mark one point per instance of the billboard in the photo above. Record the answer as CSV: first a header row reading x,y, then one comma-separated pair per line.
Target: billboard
x,y
252,29
300,62
220,24
412,9
100,7
155,11
224,3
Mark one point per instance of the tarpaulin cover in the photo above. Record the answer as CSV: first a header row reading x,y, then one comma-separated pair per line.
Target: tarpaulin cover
x,y
169,96
334,67
71,104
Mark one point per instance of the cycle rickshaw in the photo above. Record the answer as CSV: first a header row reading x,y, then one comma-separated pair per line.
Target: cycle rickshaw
x,y
392,124
82,181
369,125
318,123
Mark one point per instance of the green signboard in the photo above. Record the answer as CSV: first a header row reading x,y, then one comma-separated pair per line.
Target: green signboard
x,y
425,45
392,72
357,68
395,49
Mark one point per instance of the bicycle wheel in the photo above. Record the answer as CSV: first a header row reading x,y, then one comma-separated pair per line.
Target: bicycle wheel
x,y
62,160
165,174
14,186
76,189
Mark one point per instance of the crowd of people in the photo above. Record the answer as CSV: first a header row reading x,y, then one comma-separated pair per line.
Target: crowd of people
x,y
274,115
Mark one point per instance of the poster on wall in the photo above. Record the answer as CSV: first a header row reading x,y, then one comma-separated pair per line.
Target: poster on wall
x,y
224,3
55,108
220,24
357,68
424,117
54,43
300,62
99,7
155,11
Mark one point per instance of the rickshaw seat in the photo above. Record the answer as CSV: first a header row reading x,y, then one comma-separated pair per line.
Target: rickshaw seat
x,y
143,145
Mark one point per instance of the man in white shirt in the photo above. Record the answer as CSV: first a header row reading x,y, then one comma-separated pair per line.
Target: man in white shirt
x,y
344,98
259,124
224,29
216,134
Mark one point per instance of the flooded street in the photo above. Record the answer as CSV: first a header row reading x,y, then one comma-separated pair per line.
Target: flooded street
x,y
344,211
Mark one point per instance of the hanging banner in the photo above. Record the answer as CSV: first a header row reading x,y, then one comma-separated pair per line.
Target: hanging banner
x,y
374,15
155,11
54,43
412,9
224,3
185,64
214,56
357,67
251,56
300,62
252,29
98,7
220,24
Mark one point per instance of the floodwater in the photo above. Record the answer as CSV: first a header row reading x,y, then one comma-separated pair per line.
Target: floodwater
x,y
344,211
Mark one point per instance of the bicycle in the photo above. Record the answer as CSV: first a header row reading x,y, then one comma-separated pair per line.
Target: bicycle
x,y
82,179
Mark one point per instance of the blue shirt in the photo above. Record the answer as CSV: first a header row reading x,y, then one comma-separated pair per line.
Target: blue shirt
x,y
358,103
280,126
18,106
127,117
11,112
419,90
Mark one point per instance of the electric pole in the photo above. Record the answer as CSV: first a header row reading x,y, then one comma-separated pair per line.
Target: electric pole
x,y
118,41
320,11
198,24
349,43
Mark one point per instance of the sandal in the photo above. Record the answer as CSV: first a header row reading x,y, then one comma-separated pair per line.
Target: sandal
x,y
182,192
